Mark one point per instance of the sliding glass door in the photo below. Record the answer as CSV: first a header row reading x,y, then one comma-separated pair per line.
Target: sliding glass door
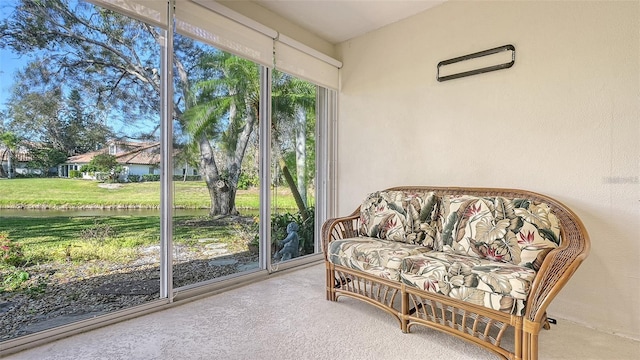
x,y
162,147
293,167
79,224
216,194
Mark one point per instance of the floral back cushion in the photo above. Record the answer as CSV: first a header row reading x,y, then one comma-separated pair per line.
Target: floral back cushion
x,y
515,231
404,216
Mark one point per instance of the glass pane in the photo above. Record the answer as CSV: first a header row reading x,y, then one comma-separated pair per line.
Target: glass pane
x,y
293,167
79,219
216,185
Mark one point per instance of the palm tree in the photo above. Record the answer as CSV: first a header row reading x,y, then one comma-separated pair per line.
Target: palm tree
x,y
10,141
113,60
222,114
293,103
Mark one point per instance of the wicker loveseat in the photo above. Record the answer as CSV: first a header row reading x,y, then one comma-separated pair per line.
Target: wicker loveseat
x,y
482,264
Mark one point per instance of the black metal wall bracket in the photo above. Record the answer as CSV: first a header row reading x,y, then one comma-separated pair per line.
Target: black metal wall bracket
x,y
477,55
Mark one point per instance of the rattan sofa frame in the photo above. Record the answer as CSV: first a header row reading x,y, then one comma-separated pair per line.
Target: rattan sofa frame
x,y
509,336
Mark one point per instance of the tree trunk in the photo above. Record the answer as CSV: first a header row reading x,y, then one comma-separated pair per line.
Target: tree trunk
x,y
223,199
10,165
301,152
210,174
294,189
222,189
2,172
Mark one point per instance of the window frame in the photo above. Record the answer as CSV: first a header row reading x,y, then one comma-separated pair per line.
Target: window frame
x,y
326,125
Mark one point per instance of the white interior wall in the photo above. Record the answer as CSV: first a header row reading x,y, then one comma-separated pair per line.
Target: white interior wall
x,y
564,121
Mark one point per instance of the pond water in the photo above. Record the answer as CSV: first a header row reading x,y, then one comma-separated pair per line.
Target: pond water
x,y
99,212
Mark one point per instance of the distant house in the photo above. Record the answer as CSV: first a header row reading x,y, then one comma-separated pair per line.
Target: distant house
x,y
20,161
136,158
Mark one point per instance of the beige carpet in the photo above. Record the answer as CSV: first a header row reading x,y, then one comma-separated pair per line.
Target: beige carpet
x,y
287,317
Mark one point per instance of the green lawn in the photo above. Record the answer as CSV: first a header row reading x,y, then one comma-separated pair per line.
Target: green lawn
x,y
58,192
113,236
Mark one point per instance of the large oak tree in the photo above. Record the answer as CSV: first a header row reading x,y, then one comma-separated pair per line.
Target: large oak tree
x,y
113,62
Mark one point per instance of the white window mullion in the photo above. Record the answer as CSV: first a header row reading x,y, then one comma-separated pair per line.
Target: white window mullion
x,y
325,163
265,168
166,163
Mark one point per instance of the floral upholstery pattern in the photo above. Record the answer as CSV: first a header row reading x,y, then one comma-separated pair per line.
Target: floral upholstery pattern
x,y
403,216
483,250
496,285
378,257
515,231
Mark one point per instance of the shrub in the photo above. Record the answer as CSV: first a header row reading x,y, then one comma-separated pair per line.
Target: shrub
x,y
134,178
187,178
75,173
14,281
150,177
10,252
98,232
87,168
27,176
247,181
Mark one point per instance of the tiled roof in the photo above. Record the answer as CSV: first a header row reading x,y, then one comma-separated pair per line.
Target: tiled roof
x,y
147,155
22,155
138,153
86,157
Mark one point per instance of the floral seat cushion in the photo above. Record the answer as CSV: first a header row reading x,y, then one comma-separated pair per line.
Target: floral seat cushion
x,y
404,216
515,231
378,257
495,285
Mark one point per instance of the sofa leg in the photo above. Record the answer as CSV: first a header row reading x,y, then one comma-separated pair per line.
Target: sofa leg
x,y
526,346
533,347
530,345
404,310
331,279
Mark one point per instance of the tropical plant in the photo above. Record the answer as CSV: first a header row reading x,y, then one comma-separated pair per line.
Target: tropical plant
x,y
104,163
86,63
10,141
223,113
14,280
294,109
10,252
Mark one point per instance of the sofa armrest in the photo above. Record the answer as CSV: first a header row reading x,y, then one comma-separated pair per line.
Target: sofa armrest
x,y
559,265
339,228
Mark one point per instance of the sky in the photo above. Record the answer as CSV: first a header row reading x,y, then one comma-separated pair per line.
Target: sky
x,y
9,62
